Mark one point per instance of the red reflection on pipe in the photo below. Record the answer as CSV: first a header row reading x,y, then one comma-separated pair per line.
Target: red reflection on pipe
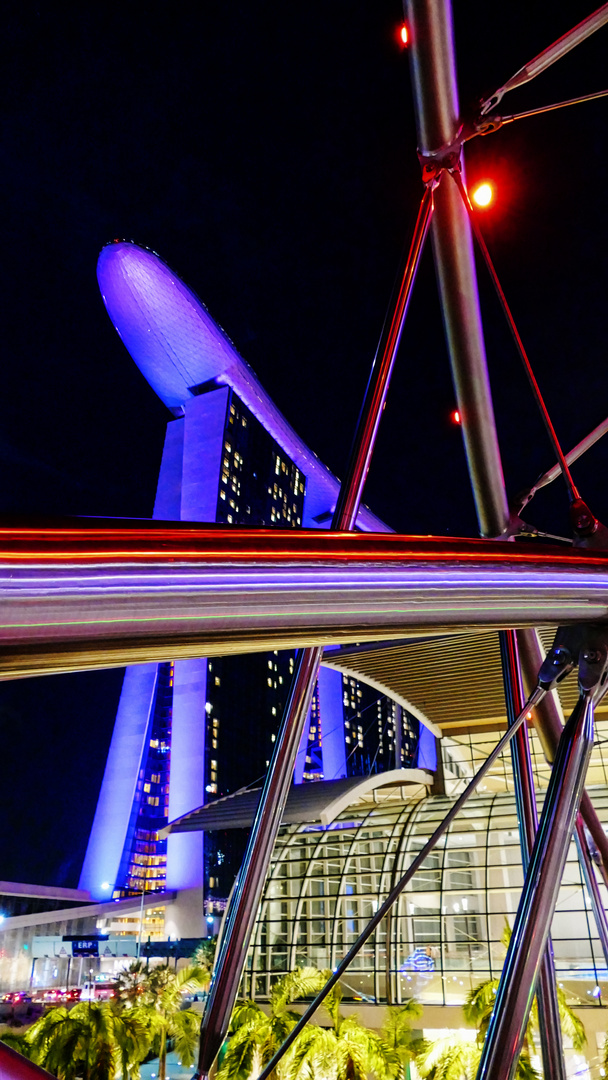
x,y
166,545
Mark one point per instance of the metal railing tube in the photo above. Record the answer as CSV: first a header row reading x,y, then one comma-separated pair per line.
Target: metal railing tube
x,y
554,1067
517,985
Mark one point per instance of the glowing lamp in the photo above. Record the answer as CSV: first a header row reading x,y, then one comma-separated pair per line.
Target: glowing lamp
x,y
456,417
483,194
403,34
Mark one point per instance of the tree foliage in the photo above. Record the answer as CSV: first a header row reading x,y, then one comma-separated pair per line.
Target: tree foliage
x,y
93,1041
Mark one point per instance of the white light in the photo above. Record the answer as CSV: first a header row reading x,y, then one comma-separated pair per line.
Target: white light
x,y
208,707
105,884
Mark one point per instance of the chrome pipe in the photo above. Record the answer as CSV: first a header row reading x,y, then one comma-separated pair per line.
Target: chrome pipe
x,y
549,724
437,119
248,889
597,905
351,489
548,56
517,985
552,1051
102,598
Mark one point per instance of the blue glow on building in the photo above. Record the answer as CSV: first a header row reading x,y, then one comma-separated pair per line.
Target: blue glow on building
x,y
229,456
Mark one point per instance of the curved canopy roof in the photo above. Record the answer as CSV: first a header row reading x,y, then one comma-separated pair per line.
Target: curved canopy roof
x,y
322,801
178,347
452,682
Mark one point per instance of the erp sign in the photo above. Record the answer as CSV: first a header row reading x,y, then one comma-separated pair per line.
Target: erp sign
x,y
85,947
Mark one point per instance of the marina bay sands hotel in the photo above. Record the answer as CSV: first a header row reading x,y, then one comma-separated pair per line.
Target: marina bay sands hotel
x,y
189,731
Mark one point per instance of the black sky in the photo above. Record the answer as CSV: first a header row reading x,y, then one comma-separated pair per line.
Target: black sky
x,y
267,152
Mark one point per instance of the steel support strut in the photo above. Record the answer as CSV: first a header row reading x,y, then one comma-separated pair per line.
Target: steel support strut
x,y
525,799
438,124
549,725
587,646
507,1027
247,893
588,868
397,889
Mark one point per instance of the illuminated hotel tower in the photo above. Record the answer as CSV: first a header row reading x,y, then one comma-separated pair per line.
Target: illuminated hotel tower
x,y
194,729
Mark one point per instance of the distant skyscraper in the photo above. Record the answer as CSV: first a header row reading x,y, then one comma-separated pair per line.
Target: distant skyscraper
x,y
196,729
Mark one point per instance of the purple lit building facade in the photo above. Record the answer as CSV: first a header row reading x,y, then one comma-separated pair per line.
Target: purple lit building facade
x,y
189,731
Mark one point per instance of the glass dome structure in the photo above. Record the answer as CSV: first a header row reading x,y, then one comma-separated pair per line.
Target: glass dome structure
x,y
444,934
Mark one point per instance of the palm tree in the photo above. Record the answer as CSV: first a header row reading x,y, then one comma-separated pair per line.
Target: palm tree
x,y
254,1036
480,1003
346,1051
131,983
161,1010
397,1033
92,1040
204,955
451,1058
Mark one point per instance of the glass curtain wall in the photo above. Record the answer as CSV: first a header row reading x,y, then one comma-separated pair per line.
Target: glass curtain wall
x,y
445,933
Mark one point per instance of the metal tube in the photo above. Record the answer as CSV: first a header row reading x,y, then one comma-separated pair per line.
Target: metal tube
x,y
351,489
574,454
397,889
563,464
14,1066
599,912
507,1025
248,889
524,497
250,881
549,724
551,108
437,118
173,594
549,1027
549,55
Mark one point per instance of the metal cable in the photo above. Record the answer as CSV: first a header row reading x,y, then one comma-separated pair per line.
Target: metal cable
x,y
572,489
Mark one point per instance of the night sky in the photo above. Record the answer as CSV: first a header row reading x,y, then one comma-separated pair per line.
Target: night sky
x,y
267,152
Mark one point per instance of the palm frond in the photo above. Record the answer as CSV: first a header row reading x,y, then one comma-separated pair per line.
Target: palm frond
x,y
238,1060
572,1025
451,1058
480,1002
313,1055
184,1028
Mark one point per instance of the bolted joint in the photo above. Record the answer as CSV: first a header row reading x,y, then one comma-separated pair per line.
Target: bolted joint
x,y
434,162
582,520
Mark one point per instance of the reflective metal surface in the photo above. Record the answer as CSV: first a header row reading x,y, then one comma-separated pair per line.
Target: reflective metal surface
x,y
554,1067
250,881
438,122
549,725
87,598
599,912
517,985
